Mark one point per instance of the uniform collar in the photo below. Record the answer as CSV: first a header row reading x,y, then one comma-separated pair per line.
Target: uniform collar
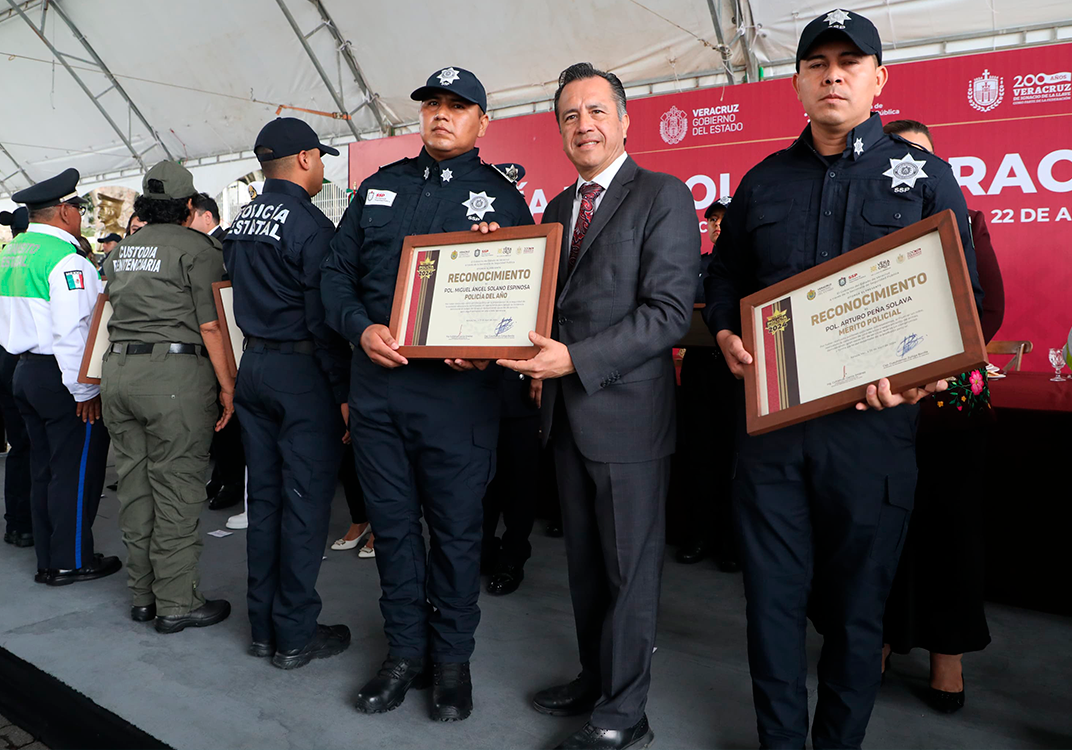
x,y
458,166
863,136
857,142
52,231
286,187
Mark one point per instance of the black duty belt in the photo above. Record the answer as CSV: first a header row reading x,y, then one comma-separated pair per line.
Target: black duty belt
x,y
136,348
31,355
283,347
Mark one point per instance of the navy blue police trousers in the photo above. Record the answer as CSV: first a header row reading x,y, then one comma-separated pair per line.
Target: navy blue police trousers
x,y
424,437
822,508
292,435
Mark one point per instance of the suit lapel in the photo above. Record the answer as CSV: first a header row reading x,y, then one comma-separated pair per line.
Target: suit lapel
x,y
616,193
565,212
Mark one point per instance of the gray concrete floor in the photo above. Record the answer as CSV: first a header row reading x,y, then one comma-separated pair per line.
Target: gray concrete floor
x,y
199,688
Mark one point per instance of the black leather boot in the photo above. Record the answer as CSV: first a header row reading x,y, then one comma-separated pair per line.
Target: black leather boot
x,y
387,690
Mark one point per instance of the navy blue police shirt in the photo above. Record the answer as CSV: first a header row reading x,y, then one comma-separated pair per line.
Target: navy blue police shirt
x,y
273,252
411,196
797,209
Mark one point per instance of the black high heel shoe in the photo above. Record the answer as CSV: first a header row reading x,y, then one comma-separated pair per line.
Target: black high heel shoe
x,y
947,703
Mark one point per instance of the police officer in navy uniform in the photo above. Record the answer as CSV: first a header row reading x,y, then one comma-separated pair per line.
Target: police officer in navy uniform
x,y
424,433
822,506
290,395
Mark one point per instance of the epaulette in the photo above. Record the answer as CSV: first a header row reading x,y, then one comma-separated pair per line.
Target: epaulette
x,y
400,161
900,139
511,172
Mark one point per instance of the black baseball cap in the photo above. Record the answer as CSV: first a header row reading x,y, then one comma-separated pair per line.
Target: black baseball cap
x,y
457,81
113,237
286,136
858,29
52,192
18,220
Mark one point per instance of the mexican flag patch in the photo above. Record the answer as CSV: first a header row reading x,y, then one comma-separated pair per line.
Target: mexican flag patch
x,y
74,280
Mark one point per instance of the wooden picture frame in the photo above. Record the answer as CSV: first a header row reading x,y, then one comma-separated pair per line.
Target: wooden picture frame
x,y
233,338
410,315
97,342
967,323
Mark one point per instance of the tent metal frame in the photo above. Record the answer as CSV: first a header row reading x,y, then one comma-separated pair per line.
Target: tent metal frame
x,y
18,169
388,123
95,98
345,48
304,39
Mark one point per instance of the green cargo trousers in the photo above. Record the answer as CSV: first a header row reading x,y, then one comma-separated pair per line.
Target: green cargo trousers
x,y
160,409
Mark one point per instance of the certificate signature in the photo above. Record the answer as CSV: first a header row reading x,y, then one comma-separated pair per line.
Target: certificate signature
x,y
908,343
503,326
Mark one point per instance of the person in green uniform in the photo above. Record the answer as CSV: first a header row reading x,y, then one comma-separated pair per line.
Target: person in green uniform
x,y
158,387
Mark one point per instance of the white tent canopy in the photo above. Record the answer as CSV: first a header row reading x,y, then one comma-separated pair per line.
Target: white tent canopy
x,y
113,86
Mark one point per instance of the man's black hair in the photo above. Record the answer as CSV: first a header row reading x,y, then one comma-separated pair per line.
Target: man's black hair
x,y
202,202
581,71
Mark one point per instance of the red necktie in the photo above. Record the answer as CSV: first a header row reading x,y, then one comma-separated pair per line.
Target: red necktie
x,y
589,192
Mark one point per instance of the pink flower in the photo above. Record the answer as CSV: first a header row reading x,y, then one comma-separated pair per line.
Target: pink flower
x,y
976,380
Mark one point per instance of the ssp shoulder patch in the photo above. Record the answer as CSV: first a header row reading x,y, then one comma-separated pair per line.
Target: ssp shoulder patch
x,y
75,280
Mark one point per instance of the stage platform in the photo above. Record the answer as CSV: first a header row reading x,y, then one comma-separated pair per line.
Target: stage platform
x,y
199,689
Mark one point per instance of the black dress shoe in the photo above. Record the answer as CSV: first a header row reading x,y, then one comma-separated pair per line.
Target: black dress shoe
x,y
41,576
387,690
554,530
505,580
692,554
729,565
19,538
328,640
452,692
228,496
99,567
209,613
143,614
261,649
573,699
593,738
947,703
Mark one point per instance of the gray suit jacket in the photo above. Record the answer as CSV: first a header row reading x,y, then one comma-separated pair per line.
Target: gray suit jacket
x,y
620,311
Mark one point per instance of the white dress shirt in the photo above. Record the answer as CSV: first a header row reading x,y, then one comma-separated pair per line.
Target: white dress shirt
x,y
59,325
603,179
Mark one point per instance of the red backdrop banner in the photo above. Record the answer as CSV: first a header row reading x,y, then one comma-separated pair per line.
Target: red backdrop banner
x,y
1002,119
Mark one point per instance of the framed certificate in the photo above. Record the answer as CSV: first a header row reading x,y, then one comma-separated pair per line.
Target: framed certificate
x,y
97,342
900,307
232,334
466,295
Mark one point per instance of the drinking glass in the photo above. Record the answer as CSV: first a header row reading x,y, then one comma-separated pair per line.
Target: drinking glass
x,y
1057,359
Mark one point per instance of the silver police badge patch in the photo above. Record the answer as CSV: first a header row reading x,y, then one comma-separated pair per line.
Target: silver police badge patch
x,y
447,76
478,205
905,172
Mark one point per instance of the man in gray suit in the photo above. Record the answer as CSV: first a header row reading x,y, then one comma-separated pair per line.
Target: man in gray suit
x,y
630,257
